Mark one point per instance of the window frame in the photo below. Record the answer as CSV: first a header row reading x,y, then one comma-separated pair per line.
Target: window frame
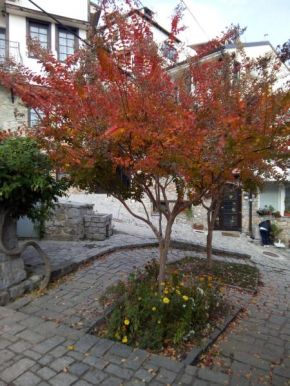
x,y
169,51
30,110
5,43
42,23
59,28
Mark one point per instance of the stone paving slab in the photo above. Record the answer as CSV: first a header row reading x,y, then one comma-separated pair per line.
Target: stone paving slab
x,y
36,331
66,256
74,302
255,351
86,360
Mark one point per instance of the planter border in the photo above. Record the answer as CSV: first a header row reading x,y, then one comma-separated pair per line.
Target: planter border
x,y
59,271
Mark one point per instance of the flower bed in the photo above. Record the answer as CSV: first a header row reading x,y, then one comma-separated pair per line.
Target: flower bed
x,y
240,275
186,311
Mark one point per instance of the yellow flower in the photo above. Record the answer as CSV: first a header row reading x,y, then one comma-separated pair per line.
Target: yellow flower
x,y
185,298
201,279
159,321
210,278
153,308
209,285
125,339
166,300
182,284
175,271
127,322
117,335
166,291
178,292
163,283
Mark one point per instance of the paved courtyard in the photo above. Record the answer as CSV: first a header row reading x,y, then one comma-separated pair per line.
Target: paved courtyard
x,y
43,339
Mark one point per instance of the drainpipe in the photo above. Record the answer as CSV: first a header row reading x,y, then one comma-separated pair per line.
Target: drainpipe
x,y
251,215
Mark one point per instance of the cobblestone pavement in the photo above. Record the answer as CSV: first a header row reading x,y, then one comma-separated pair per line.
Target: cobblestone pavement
x,y
43,340
75,301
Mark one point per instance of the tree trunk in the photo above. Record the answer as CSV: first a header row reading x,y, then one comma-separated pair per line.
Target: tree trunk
x,y
209,240
212,212
164,244
16,252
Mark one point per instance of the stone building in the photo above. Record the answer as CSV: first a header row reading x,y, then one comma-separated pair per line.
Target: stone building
x,y
19,20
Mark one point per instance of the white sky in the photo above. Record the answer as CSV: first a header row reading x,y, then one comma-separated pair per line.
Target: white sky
x,y
261,17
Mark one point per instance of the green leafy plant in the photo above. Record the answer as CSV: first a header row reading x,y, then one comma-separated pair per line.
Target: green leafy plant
x,y
275,231
27,188
27,185
147,319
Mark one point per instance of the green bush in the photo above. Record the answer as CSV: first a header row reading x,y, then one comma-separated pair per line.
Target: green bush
x,y
275,231
27,185
147,319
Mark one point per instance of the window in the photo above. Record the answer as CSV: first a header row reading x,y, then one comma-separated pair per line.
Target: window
x,y
236,72
276,196
66,44
270,196
2,45
168,51
34,117
39,31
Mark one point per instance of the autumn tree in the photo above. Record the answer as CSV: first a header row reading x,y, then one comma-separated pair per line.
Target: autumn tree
x,y
241,109
106,117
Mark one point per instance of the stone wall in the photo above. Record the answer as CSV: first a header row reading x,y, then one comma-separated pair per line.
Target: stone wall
x,y
74,221
12,270
12,115
281,222
98,226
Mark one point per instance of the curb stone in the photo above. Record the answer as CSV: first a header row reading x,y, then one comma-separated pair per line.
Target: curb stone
x,y
59,271
193,356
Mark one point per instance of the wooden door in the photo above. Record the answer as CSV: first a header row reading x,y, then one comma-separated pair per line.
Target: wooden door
x,y
229,217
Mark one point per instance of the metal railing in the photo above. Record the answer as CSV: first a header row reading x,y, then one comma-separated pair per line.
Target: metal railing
x,y
9,50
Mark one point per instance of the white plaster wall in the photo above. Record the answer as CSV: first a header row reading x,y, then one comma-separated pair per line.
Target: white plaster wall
x,y
75,9
17,33
262,50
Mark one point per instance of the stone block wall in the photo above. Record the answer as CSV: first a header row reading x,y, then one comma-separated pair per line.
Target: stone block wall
x,y
98,226
281,222
12,269
73,221
12,115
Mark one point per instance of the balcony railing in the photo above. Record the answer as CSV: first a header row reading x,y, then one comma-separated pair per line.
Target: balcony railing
x,y
10,50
